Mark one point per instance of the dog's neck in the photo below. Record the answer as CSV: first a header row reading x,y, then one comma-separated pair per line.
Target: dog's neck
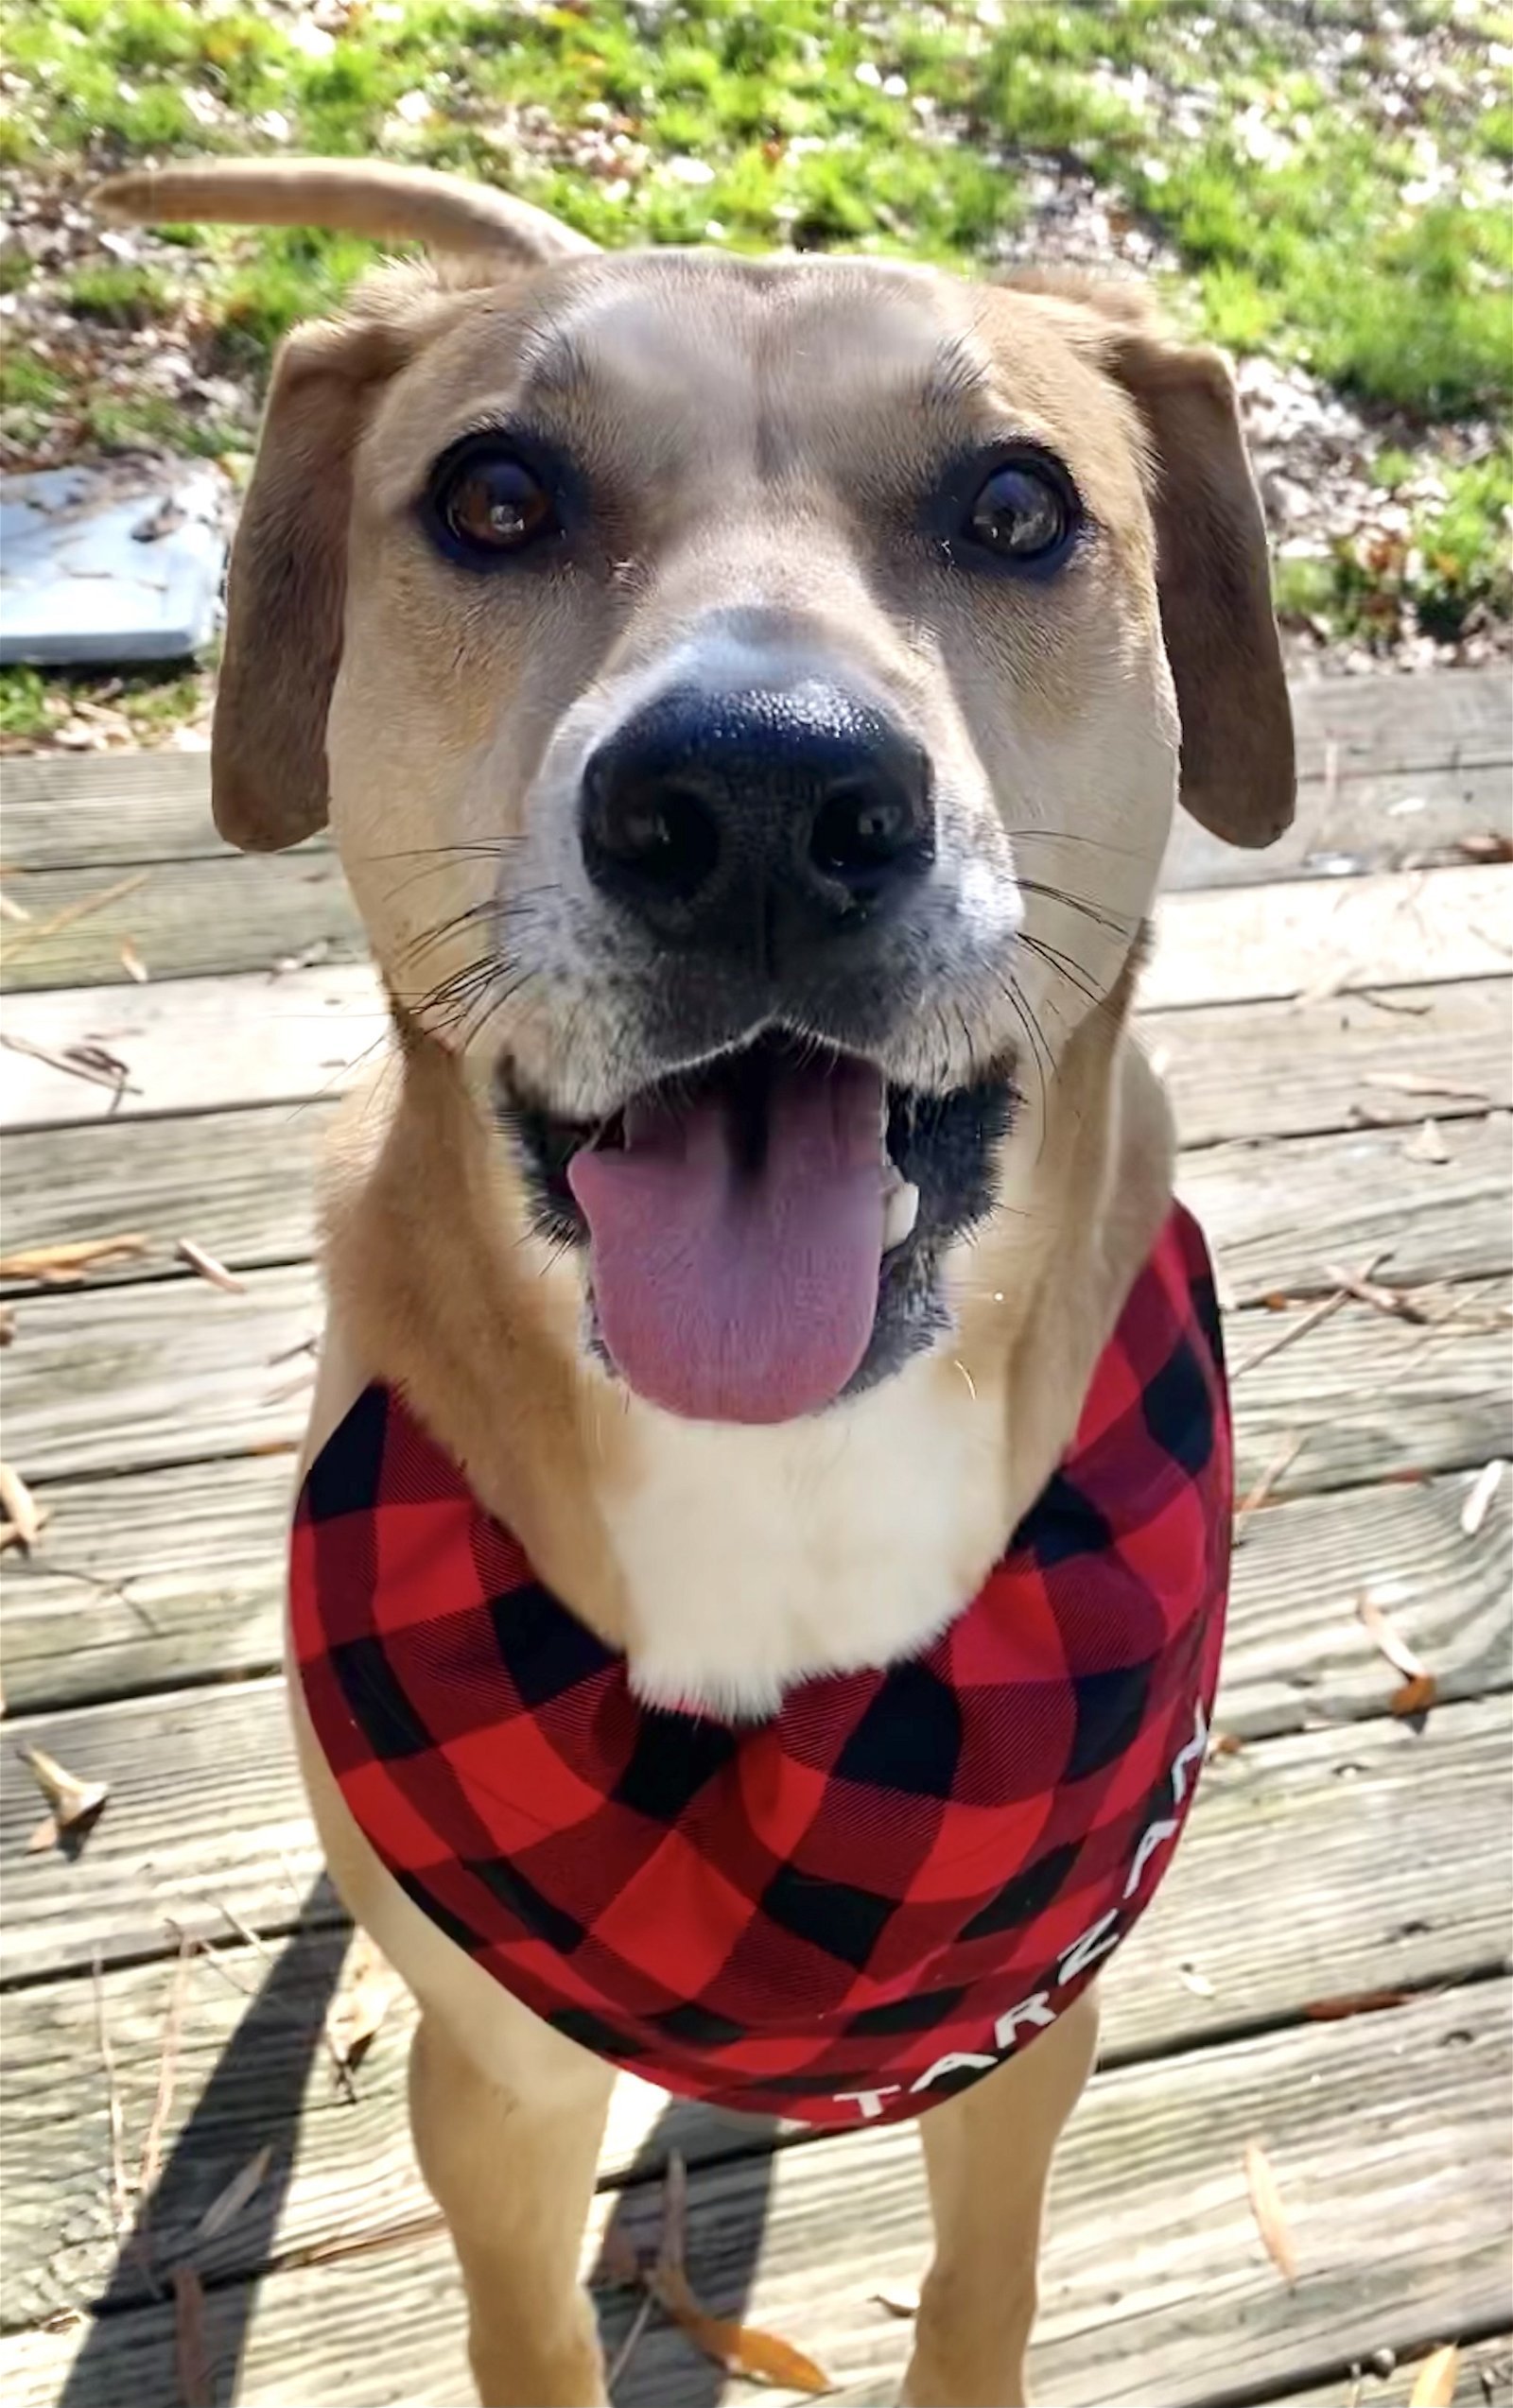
x,y
731,1562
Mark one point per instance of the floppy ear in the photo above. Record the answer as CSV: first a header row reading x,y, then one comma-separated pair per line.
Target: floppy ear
x,y
1214,589
287,588
288,564
1212,574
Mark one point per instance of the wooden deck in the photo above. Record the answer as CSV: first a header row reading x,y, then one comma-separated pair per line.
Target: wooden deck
x,y
1327,1971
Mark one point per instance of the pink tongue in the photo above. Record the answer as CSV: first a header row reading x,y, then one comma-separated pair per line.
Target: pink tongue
x,y
727,1293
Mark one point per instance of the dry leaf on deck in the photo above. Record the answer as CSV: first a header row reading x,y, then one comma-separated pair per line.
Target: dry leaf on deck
x,y
369,1989
1226,1744
20,1507
1354,2003
228,2204
191,2357
65,1263
12,909
898,2300
7,1325
1434,2385
75,1803
1484,1487
1416,1696
1390,1642
1192,1980
209,1268
1428,1146
1271,2216
132,963
741,2349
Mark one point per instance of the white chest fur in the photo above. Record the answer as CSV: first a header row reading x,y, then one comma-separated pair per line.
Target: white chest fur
x,y
755,1558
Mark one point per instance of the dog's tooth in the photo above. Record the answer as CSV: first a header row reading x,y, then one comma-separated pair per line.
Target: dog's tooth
x,y
900,1215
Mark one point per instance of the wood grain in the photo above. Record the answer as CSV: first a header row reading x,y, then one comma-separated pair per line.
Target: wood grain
x,y
1280,1211
193,1042
174,1578
107,1380
68,811
1155,2285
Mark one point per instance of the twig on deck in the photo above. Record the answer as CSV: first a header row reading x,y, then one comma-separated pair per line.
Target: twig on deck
x,y
120,2203
1280,1464
208,1267
80,910
90,1063
254,1940
628,2347
1321,1312
167,2076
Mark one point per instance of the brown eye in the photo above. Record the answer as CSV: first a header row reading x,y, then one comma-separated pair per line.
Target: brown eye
x,y
484,504
1025,511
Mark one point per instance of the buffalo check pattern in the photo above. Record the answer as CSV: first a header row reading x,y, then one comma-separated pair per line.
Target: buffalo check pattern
x,y
858,1906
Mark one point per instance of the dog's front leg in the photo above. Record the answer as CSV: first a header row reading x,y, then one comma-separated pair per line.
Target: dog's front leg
x,y
514,2175
987,2153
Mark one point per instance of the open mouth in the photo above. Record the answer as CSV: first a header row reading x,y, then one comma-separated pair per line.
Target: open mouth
x,y
765,1233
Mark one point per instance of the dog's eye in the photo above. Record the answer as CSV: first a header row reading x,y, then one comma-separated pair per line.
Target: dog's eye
x,y
1024,511
486,503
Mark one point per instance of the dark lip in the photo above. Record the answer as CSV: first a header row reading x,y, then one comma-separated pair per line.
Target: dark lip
x,y
946,1145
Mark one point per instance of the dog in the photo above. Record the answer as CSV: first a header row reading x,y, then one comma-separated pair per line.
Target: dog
x,y
763,1527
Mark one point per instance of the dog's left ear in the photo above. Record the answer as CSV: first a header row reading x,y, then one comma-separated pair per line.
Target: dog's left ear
x,y
1214,586
1212,574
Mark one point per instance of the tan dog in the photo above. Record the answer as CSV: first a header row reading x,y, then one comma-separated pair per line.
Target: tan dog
x,y
699,657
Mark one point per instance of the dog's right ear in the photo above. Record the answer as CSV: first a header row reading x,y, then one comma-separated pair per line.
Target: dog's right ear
x,y
288,564
287,590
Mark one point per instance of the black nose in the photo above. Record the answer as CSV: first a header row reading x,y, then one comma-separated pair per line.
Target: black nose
x,y
796,810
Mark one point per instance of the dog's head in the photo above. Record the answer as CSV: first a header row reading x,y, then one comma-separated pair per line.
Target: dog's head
x,y
749,695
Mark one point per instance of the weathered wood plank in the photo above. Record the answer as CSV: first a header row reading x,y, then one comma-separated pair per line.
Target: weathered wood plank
x,y
1396,819
1281,1214
165,1579
241,1183
1297,1652
191,1044
1279,1069
1484,2379
1367,1396
207,1805
157,1579
121,1379
1402,1890
117,809
67,811
186,919
1155,2283
223,913
114,1380
1251,944
1374,725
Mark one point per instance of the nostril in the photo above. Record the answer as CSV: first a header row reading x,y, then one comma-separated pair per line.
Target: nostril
x,y
861,829
655,836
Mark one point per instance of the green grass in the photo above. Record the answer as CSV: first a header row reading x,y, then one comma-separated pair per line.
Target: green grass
x,y
1450,569
23,711
1300,221
34,702
1310,246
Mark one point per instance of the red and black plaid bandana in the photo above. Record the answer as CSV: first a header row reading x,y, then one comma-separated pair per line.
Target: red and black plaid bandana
x,y
867,1901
